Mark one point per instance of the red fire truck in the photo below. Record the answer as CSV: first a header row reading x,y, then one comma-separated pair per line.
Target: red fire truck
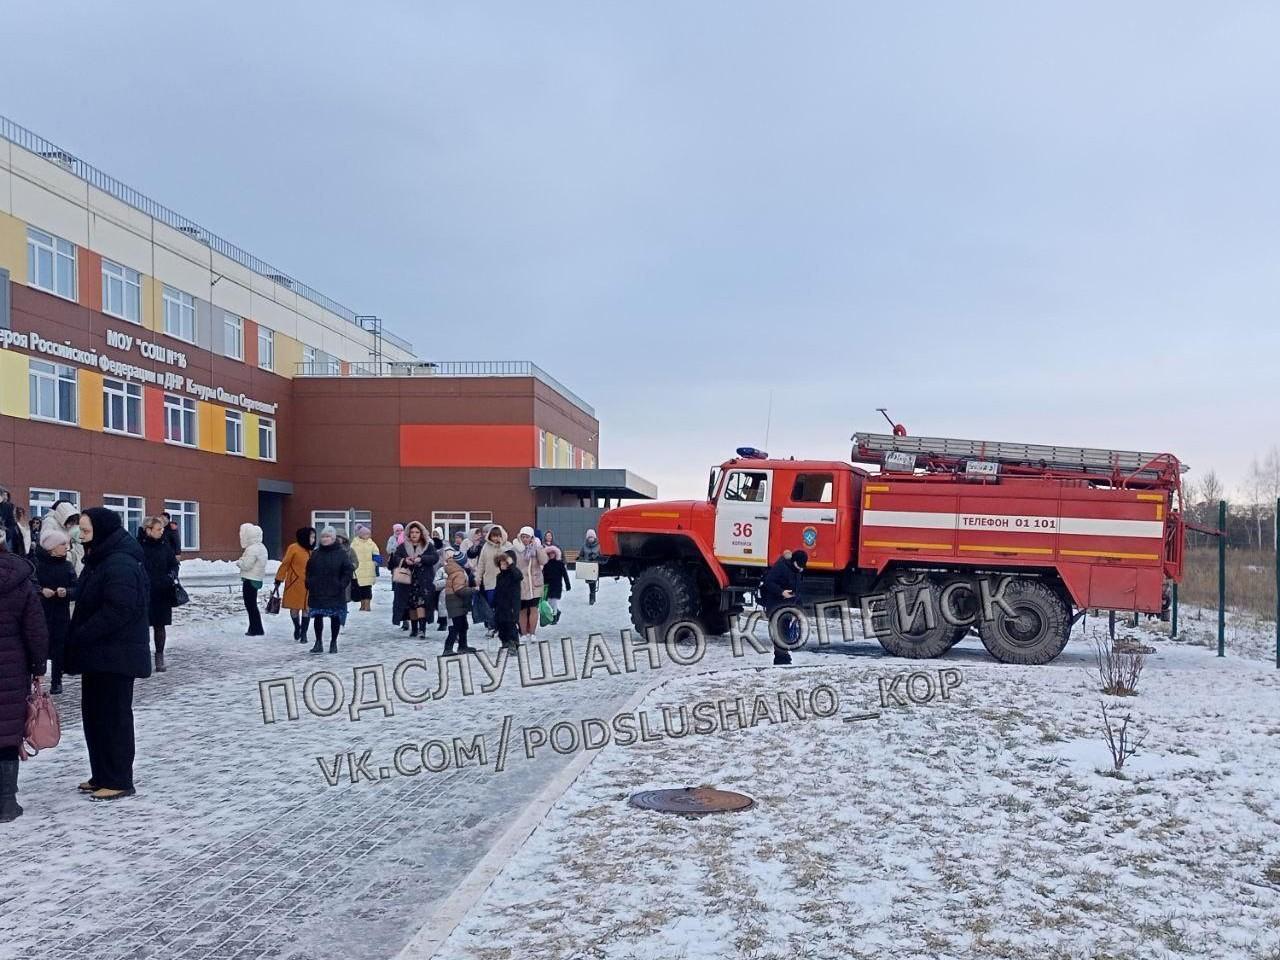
x,y
1049,530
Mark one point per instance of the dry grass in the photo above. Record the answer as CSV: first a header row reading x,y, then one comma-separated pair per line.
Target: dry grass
x,y
1251,580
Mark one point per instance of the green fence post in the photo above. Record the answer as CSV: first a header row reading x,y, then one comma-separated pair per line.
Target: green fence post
x,y
1222,578
1174,632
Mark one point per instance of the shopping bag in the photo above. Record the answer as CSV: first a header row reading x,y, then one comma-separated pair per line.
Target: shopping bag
x,y
481,612
546,615
586,570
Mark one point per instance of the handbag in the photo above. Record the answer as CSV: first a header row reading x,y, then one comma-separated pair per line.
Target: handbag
x,y
481,611
180,595
273,601
43,729
546,615
402,575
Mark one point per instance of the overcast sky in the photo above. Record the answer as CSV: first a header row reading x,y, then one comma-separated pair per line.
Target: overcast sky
x,y
1029,222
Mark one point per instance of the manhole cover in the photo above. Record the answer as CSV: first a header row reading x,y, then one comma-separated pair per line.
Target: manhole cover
x,y
693,801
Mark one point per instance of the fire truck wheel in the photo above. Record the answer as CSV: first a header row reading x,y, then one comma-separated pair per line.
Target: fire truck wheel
x,y
958,601
1038,629
714,621
661,596
916,640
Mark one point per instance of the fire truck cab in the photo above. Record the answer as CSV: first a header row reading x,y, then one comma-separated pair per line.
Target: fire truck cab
x,y
1066,528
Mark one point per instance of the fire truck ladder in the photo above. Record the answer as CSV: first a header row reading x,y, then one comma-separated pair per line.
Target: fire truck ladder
x,y
1122,467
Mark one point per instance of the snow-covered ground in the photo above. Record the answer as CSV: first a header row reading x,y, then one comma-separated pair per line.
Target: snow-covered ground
x,y
986,824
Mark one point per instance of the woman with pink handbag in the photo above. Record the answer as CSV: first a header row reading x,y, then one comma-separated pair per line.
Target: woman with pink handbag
x,y
24,647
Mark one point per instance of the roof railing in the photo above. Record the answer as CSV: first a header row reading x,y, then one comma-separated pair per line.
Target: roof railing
x,y
17,134
443,368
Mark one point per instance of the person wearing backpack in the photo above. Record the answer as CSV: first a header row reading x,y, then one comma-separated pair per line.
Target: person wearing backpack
x,y
24,647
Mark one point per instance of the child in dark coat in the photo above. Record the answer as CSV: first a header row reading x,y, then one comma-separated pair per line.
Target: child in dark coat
x,y
56,576
506,601
556,577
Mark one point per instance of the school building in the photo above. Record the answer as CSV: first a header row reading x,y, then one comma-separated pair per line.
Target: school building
x,y
147,364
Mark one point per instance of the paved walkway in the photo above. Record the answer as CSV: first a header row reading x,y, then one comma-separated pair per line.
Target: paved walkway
x,y
236,847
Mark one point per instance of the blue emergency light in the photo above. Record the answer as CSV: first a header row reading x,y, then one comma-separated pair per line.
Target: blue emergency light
x,y
751,453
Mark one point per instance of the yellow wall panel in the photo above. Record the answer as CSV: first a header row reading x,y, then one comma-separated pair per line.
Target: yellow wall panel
x,y
152,304
288,355
213,431
90,384
14,389
251,436
13,247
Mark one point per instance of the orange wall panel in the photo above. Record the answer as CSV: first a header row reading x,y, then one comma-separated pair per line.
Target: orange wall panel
x,y
468,445
153,413
89,266
250,343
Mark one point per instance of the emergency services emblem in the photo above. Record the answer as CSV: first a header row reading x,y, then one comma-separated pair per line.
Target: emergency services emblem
x,y
810,536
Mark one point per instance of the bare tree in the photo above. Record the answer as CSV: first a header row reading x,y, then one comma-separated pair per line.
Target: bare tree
x,y
1121,743
1210,489
1119,666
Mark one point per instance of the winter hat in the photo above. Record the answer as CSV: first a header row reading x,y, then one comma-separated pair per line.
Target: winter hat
x,y
553,552
105,522
437,533
800,559
527,530
362,529
51,537
329,532
591,535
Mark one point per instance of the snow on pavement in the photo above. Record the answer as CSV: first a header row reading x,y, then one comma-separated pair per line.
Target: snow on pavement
x,y
986,824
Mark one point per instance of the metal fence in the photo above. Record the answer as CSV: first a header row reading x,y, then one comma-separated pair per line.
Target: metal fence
x,y
20,135
446,368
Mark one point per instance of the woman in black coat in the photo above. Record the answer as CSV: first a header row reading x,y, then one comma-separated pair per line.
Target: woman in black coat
x,y
329,573
23,650
415,559
56,580
161,564
108,646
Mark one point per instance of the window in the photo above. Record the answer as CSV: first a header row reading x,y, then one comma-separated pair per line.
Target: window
x,y
309,361
542,449
343,521
266,438
334,367
179,314
746,487
122,407
235,432
53,391
459,521
121,292
266,348
129,510
179,420
812,488
42,500
51,263
233,336
186,514
563,453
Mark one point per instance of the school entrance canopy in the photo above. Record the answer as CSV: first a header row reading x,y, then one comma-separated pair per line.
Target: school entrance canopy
x,y
570,501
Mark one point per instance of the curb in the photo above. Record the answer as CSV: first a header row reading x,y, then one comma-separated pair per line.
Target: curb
x,y
445,918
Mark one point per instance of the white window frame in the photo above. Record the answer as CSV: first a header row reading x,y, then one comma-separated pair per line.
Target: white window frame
x,y
181,406
450,521
267,356
128,281
40,500
542,449
57,373
233,325
266,428
343,521
62,262
335,366
236,417
309,361
182,511
130,509
128,395
183,306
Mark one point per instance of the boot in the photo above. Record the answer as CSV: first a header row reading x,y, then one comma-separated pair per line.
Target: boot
x,y
442,624
318,647
333,646
56,686
9,809
160,667
404,624
448,648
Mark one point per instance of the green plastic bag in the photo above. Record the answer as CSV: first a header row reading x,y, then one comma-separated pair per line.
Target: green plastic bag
x,y
546,616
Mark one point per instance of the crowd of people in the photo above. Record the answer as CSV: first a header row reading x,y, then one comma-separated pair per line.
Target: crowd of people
x,y
483,577
80,595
